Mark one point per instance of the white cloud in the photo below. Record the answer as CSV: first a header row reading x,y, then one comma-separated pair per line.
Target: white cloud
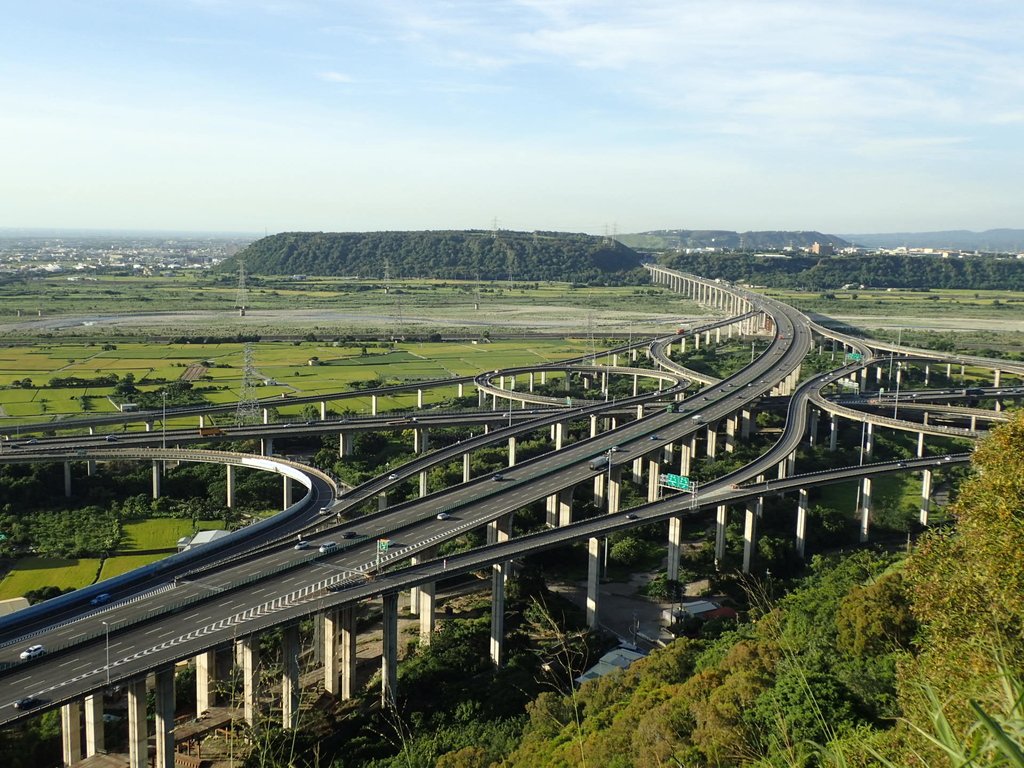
x,y
335,77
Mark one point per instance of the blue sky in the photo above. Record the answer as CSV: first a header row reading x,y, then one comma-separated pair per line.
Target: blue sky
x,y
579,115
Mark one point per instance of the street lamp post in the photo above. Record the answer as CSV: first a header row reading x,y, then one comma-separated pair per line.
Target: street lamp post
x,y
163,418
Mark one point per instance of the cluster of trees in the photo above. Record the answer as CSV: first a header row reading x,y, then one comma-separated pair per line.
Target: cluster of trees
x,y
823,274
464,255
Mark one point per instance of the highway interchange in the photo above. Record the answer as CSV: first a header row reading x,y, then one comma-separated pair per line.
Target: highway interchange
x,y
241,589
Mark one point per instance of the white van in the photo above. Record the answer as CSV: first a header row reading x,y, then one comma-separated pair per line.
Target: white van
x,y
698,417
328,546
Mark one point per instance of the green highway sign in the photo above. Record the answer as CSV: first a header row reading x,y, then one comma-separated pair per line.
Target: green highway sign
x,y
382,545
854,356
677,481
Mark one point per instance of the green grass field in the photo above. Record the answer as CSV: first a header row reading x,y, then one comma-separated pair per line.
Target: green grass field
x,y
31,573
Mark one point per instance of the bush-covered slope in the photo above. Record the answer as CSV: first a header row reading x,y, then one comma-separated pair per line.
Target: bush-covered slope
x,y
821,274
466,255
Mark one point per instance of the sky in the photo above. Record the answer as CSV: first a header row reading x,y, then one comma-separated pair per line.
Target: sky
x,y
843,116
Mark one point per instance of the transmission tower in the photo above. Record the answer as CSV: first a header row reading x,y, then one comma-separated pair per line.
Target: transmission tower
x,y
397,300
242,296
248,409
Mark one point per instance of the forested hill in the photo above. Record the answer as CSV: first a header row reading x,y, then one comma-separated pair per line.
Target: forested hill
x,y
663,239
468,255
822,274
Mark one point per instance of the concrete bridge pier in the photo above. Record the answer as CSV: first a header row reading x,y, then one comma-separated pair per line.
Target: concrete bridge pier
x,y
71,732
675,543
730,434
926,496
753,513
247,651
346,444
165,716
593,580
95,741
206,675
497,644
833,435
721,522
812,428
290,688
712,440
138,735
323,410
389,656
801,522
511,452
653,477
865,508
465,468
156,479
230,485
427,610
614,489
373,405
564,504
420,440
287,491
266,446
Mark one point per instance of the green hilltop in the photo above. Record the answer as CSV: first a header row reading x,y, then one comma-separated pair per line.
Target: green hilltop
x,y
452,255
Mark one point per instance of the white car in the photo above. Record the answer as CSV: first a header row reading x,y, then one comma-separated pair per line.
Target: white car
x,y
32,652
443,516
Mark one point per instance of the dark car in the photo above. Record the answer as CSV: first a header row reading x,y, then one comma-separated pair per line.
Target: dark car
x,y
100,599
27,703
349,535
630,516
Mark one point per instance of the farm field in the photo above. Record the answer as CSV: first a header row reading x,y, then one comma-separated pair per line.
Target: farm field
x,y
30,573
283,368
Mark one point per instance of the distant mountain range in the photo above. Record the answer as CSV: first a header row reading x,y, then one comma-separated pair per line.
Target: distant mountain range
x,y
1000,240
663,239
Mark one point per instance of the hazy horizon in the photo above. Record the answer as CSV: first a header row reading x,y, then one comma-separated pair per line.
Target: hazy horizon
x,y
568,115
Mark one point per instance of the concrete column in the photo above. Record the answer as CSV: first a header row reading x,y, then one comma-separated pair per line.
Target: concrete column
x,y
599,500
685,457
465,468
559,435
675,542
373,405
290,688
653,478
730,434
156,479
419,398
593,580
420,440
721,521
801,522
165,717
427,608
328,620
71,732
206,674
267,446
926,495
248,648
347,641
746,422
95,739
389,657
865,508
323,410
67,479
565,507
869,441
996,378
346,444
498,613
712,440
753,512
927,375
833,435
636,384
812,428
287,489
266,415
614,489
230,501
512,451
423,483
138,736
